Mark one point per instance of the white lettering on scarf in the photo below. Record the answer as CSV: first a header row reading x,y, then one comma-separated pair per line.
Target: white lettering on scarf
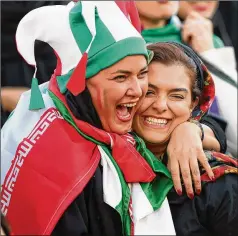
x,y
22,152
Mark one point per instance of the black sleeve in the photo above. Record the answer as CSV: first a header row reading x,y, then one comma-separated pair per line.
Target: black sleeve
x,y
218,129
212,213
74,220
222,208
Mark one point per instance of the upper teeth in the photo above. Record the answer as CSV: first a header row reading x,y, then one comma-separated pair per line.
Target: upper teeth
x,y
129,104
157,121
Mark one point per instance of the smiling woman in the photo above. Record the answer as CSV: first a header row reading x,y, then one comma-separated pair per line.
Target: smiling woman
x,y
160,24
180,88
117,92
172,86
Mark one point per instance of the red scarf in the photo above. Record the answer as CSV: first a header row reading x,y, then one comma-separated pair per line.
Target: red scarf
x,y
123,152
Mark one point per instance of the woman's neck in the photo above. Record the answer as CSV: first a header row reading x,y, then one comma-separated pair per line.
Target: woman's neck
x,y
157,149
151,24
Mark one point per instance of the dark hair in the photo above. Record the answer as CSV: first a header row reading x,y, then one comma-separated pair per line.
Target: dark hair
x,y
170,54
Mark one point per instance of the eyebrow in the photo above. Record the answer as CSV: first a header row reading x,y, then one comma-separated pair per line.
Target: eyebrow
x,y
129,72
179,90
172,90
152,86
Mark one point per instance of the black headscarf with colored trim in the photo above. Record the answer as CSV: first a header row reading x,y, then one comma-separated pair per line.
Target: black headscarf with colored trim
x,y
204,81
82,107
221,164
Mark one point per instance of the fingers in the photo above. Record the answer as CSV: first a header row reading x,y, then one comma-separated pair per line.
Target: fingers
x,y
186,174
175,173
198,35
190,30
204,162
195,175
199,24
194,15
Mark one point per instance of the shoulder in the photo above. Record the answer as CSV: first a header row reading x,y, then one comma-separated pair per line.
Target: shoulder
x,y
49,156
41,136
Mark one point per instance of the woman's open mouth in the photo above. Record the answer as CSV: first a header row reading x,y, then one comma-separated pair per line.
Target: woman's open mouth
x,y
124,111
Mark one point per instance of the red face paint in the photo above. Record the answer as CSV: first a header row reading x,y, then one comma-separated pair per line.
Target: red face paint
x,y
114,94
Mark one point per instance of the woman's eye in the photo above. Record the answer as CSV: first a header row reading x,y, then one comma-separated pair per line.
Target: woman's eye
x,y
120,78
150,92
143,74
180,97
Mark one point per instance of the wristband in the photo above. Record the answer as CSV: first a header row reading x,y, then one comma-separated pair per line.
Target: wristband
x,y
200,126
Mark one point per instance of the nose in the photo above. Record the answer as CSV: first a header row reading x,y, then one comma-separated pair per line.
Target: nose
x,y
135,89
160,104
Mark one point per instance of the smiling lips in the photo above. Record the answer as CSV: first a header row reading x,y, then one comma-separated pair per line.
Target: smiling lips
x,y
200,8
156,122
124,111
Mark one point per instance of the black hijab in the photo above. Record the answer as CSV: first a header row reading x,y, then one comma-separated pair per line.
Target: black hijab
x,y
82,107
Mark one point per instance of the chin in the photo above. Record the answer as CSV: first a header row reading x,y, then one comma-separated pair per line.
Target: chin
x,y
155,139
119,129
121,132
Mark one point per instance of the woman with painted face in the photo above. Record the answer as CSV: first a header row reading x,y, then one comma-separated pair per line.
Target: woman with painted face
x,y
181,89
160,23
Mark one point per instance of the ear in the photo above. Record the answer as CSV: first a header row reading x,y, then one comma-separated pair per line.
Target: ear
x,y
194,103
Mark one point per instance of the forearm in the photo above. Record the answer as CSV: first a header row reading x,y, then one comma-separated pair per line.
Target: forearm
x,y
208,138
210,142
213,130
